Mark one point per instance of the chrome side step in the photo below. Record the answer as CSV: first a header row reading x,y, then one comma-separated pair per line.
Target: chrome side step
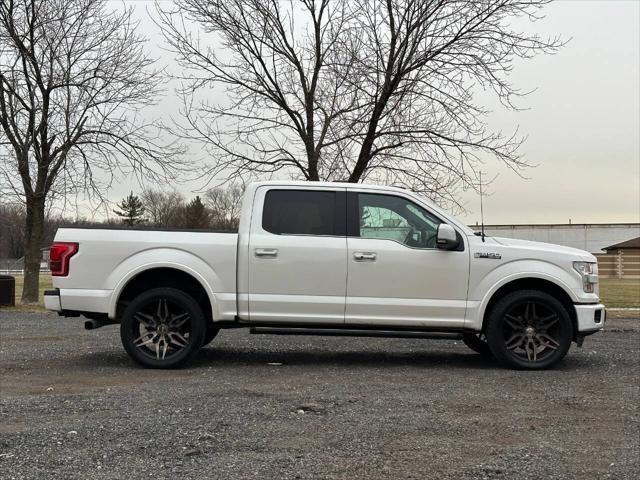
x,y
339,332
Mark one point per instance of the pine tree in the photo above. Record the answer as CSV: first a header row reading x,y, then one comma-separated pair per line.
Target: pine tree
x,y
196,214
131,210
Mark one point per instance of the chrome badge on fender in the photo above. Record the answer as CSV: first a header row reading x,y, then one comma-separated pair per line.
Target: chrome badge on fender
x,y
494,256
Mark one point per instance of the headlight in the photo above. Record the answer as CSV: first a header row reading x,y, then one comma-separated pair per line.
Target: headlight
x,y
589,273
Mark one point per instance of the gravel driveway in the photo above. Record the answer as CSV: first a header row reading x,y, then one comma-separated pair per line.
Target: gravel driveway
x,y
75,406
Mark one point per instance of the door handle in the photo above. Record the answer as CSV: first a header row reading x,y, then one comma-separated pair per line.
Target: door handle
x,y
266,252
360,256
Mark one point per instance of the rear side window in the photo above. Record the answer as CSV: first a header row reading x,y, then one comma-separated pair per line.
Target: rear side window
x,y
299,212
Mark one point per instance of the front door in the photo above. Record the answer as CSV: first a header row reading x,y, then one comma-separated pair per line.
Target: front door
x,y
298,255
396,275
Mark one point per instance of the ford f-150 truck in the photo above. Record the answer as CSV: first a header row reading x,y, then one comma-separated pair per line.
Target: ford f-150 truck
x,y
317,258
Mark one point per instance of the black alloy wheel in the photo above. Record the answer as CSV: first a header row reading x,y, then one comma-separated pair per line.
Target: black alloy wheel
x,y
529,329
162,328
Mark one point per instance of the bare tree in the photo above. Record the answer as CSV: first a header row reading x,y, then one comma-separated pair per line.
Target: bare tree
x,y
12,219
73,76
274,67
419,65
163,209
225,205
354,89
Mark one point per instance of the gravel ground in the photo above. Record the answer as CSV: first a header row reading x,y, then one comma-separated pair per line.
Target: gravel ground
x,y
74,406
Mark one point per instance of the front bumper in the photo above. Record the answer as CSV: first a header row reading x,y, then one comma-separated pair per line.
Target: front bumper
x,y
591,317
52,300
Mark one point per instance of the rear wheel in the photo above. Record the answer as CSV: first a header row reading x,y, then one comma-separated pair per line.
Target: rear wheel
x,y
162,328
478,343
529,329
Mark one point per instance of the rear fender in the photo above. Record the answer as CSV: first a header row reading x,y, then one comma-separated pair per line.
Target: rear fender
x,y
154,258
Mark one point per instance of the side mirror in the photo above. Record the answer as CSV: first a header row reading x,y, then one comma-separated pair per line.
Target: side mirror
x,y
447,238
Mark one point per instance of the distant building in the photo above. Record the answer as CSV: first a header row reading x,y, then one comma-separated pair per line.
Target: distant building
x,y
592,237
630,246
621,260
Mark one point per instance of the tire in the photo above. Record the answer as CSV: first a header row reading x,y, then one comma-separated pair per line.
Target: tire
x,y
162,328
478,343
529,330
211,333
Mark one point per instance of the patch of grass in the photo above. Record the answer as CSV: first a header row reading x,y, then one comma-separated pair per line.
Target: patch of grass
x,y
620,293
45,284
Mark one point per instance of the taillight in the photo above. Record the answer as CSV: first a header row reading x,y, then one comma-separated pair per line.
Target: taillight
x,y
59,256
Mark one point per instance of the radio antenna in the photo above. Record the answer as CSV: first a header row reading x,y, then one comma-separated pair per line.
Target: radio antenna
x,y
481,210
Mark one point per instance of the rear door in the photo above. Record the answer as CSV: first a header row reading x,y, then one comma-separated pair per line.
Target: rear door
x,y
396,275
298,255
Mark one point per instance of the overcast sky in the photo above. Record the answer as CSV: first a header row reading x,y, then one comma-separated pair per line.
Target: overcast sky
x,y
582,121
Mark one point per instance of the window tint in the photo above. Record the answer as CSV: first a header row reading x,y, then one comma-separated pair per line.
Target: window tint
x,y
299,212
395,218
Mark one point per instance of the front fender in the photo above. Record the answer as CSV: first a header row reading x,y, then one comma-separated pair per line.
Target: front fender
x,y
488,284
156,258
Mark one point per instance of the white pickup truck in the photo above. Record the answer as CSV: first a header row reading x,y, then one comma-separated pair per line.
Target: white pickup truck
x,y
328,259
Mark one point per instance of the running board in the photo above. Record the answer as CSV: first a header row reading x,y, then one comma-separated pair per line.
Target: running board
x,y
336,332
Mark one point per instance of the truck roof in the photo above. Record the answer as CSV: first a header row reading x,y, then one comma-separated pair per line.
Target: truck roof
x,y
361,186
347,185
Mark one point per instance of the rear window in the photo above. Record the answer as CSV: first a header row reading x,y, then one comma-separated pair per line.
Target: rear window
x,y
299,212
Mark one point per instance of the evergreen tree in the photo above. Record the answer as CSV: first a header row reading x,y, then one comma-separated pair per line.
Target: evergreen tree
x,y
196,214
131,210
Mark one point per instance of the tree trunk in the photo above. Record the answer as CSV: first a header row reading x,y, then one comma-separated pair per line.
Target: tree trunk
x,y
364,157
312,162
32,255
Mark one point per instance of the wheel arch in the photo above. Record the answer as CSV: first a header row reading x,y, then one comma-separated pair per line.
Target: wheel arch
x,y
555,289
163,275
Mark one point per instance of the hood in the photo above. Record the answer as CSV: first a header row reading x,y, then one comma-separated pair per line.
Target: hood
x,y
547,247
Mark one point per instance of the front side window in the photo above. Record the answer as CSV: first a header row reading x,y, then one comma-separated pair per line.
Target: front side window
x,y
398,219
299,212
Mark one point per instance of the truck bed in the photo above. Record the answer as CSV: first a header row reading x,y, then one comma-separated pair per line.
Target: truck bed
x,y
109,257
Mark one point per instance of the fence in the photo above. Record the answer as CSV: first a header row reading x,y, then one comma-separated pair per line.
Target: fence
x,y
15,266
624,263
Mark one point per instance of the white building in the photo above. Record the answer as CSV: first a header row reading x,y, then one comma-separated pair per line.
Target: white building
x,y
592,237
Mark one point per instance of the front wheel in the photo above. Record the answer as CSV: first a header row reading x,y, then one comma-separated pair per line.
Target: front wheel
x,y
529,329
162,328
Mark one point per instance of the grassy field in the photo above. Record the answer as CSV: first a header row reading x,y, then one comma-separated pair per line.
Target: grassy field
x,y
45,284
615,293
